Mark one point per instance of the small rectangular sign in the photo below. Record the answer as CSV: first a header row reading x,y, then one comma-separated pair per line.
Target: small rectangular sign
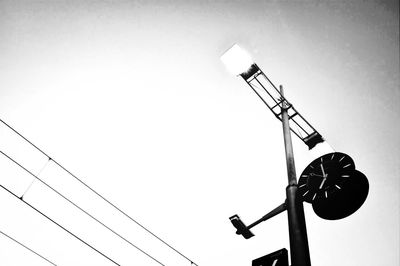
x,y
277,258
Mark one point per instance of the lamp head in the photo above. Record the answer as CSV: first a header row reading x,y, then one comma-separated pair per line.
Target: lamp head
x,y
241,227
237,60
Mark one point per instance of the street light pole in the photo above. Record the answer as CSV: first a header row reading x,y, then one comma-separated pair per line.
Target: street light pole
x,y
239,63
299,252
352,193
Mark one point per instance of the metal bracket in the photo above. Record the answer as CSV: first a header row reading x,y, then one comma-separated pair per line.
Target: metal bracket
x,y
244,230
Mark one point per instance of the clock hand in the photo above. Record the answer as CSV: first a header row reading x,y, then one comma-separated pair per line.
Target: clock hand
x,y
312,174
323,172
322,183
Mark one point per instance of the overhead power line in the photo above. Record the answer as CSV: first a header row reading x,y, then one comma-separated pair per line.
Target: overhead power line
x,y
31,250
81,209
98,194
59,225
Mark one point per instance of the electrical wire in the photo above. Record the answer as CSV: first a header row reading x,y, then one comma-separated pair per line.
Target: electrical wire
x,y
59,225
31,250
77,206
98,194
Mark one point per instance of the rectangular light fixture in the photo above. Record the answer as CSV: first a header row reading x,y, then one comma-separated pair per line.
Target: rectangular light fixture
x,y
237,60
240,227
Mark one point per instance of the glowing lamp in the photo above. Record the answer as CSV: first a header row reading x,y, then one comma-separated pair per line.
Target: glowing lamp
x,y
237,60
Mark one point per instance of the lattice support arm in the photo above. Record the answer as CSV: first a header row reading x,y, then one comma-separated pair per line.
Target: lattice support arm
x,y
275,101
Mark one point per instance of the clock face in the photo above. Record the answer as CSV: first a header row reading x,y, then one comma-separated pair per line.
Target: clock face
x,y
325,176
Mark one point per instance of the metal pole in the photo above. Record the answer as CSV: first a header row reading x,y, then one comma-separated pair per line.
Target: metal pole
x,y
299,252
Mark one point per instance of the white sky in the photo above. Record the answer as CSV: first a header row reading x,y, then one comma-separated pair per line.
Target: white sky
x,y
131,97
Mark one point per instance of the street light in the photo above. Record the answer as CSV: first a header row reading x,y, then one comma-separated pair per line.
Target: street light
x,y
239,63
242,229
347,189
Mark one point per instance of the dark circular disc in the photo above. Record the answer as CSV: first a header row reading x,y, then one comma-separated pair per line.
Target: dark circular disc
x,y
351,197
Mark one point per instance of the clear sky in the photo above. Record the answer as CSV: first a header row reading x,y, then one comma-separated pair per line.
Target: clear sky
x,y
131,96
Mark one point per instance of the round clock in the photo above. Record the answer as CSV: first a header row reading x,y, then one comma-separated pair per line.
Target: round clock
x,y
325,176
333,186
